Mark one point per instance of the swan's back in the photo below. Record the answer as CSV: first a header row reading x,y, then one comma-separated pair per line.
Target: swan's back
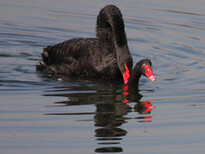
x,y
75,48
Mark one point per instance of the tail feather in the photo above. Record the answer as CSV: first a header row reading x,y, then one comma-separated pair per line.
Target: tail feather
x,y
45,55
40,66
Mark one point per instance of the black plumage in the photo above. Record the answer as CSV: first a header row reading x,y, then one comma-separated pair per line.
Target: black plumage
x,y
105,57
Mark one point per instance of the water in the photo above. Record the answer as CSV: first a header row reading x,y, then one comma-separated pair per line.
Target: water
x,y
39,114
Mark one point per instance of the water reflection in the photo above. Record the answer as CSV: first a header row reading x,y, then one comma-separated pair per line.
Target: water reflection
x,y
112,104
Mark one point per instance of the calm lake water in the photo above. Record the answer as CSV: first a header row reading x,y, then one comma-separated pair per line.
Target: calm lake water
x,y
39,114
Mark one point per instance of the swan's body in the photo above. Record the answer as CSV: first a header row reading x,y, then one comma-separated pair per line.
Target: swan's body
x,y
107,56
78,57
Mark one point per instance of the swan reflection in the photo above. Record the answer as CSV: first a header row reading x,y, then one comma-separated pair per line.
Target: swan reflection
x,y
113,103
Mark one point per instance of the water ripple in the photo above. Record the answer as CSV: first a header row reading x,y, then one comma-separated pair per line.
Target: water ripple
x,y
48,115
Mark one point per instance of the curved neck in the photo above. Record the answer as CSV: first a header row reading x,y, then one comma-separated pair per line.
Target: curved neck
x,y
110,26
110,30
135,76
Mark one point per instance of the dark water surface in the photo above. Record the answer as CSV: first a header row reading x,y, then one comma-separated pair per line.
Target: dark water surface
x,y
39,114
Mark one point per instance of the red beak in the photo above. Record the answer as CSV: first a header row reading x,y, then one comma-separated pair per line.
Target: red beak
x,y
149,73
126,75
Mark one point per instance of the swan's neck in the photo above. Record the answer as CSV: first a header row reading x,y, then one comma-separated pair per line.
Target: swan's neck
x,y
135,76
110,26
111,31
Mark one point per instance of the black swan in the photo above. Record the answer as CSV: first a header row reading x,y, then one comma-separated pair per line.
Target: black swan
x,y
105,57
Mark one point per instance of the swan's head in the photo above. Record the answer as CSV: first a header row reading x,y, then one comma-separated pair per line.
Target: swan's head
x,y
144,67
